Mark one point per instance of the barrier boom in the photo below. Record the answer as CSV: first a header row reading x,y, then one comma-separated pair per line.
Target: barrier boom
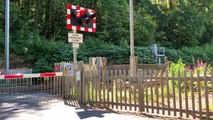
x,y
17,76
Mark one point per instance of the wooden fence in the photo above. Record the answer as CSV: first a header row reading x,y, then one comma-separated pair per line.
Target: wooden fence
x,y
179,94
183,94
154,90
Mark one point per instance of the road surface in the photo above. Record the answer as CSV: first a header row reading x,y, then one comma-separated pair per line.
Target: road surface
x,y
48,107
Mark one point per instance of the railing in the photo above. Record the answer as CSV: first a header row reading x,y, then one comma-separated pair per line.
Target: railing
x,y
152,91
183,95
31,83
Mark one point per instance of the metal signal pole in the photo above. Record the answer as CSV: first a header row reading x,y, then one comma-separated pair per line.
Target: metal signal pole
x,y
7,34
132,54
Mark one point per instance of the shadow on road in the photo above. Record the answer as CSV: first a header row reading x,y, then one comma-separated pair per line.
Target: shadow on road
x,y
85,112
11,105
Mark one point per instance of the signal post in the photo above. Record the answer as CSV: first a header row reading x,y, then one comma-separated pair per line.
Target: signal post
x,y
79,19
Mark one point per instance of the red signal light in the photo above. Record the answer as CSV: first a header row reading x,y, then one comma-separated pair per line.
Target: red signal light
x,y
78,13
85,21
89,17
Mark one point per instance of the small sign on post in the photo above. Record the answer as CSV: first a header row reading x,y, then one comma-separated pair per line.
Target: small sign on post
x,y
75,38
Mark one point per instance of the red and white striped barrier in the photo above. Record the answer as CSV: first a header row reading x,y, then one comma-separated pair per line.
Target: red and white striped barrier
x,y
16,76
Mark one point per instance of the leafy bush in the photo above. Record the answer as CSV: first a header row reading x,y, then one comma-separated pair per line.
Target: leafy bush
x,y
176,68
36,50
172,54
179,69
114,54
187,54
208,48
44,54
144,55
193,52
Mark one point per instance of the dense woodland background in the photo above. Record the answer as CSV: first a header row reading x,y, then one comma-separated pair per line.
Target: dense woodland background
x,y
38,34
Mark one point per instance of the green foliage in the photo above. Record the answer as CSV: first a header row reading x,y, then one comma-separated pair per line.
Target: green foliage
x,y
172,54
193,52
209,54
38,30
114,54
1,41
1,47
44,54
184,23
187,54
42,66
202,68
174,24
145,25
113,16
144,55
177,69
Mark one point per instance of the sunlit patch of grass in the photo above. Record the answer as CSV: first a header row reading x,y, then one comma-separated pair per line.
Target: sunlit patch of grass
x,y
211,108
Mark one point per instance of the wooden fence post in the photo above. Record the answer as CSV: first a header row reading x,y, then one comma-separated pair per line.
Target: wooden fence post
x,y
104,60
104,74
141,90
62,83
82,83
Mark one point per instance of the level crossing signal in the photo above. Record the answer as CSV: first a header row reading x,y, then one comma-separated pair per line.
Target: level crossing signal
x,y
81,19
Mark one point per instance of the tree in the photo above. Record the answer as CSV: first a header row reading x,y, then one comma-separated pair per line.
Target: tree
x,y
113,20
145,24
185,24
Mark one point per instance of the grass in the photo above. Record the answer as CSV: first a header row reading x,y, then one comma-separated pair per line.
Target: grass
x,y
211,108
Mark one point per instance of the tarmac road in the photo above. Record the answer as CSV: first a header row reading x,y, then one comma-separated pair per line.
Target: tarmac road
x,y
47,107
